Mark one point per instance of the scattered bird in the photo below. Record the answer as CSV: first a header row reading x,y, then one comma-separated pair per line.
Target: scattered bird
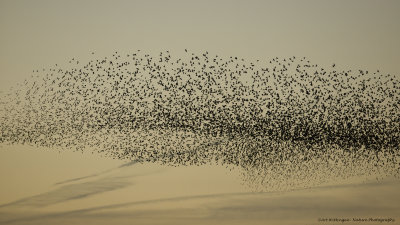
x,y
281,115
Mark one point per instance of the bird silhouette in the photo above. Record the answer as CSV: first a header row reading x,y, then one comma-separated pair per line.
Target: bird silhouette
x,y
283,116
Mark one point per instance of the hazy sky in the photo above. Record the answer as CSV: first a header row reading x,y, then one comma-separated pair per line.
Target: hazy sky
x,y
38,34
353,34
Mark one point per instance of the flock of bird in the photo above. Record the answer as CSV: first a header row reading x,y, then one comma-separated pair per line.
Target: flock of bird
x,y
278,118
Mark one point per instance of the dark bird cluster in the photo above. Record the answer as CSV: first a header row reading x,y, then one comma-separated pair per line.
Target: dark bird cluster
x,y
283,117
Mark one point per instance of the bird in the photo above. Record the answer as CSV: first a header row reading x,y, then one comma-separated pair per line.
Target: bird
x,y
275,115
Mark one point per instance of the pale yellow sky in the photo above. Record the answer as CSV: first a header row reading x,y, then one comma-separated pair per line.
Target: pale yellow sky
x,y
354,34
361,34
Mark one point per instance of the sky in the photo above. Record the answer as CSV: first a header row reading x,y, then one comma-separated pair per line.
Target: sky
x,y
352,34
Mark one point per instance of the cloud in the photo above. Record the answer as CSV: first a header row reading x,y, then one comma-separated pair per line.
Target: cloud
x,y
80,190
226,208
71,192
131,163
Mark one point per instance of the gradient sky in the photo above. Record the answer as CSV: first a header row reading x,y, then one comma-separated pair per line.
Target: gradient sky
x,y
353,34
361,34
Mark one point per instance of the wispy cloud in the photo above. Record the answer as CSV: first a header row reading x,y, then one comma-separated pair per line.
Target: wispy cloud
x,y
131,163
67,192
229,208
72,191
